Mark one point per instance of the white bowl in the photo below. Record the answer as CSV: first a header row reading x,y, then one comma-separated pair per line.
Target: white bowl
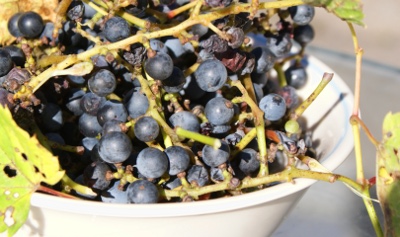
x,y
256,214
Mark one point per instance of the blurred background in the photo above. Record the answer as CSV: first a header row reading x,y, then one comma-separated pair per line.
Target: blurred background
x,y
380,39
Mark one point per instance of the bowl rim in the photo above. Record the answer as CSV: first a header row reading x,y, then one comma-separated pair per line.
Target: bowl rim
x,y
87,207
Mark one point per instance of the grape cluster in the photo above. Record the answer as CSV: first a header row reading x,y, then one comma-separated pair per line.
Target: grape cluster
x,y
163,112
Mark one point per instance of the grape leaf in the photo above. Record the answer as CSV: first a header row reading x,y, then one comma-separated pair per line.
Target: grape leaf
x,y
388,174
347,10
24,164
46,8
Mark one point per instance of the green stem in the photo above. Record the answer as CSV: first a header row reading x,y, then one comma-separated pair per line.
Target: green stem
x,y
214,142
326,78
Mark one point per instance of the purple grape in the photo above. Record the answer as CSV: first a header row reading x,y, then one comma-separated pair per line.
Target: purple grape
x,y
198,175
215,157
146,129
303,34
152,163
248,161
142,191
91,103
30,24
219,111
94,176
136,103
115,147
114,195
102,83
89,125
273,106
159,67
6,63
179,159
116,28
185,120
296,76
73,101
175,82
302,14
211,75
112,110
264,58
12,25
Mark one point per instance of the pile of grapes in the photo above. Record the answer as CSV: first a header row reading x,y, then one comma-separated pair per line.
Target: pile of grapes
x,y
153,101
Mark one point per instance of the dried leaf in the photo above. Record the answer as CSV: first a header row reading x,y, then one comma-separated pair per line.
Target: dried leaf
x,y
46,8
24,164
347,10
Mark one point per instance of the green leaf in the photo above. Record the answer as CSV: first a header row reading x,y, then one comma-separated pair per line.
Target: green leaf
x,y
24,164
388,174
347,10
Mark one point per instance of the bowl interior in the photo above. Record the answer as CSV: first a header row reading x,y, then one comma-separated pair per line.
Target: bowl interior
x,y
327,117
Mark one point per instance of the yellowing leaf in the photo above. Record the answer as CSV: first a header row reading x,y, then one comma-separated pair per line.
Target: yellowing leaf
x,y
388,174
347,10
46,8
24,164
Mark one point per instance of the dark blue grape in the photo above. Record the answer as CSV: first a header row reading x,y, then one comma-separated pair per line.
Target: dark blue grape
x,y
146,129
198,175
30,24
142,191
91,103
218,3
216,174
258,90
114,194
17,55
112,110
89,125
116,28
173,183
280,44
220,129
214,44
248,161
185,120
12,25
279,163
191,89
111,126
265,59
215,157
51,116
273,106
102,83
73,101
152,163
179,159
94,176
302,14
115,147
303,34
211,75
88,143
219,111
176,48
71,37
296,76
159,67
6,63
175,82
136,103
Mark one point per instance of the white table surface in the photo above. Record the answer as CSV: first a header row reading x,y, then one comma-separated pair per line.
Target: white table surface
x,y
332,210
